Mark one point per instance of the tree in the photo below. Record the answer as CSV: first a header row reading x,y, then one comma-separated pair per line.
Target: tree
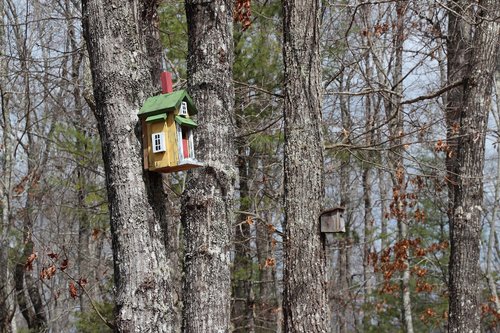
x,y
395,114
469,124
305,305
119,41
207,209
257,73
7,307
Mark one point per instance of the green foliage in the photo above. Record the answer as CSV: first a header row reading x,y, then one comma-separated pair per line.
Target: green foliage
x,y
258,49
85,148
262,142
246,270
89,322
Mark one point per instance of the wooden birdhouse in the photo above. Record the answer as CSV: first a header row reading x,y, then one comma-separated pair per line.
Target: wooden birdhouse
x,y
332,220
168,129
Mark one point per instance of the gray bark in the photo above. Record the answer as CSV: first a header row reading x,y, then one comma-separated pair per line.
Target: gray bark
x,y
267,296
84,265
305,305
368,218
395,158
123,76
341,289
28,287
490,272
459,48
7,306
396,126
207,211
174,256
242,312
466,190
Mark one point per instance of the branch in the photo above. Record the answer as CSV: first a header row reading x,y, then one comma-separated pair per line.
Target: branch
x,y
260,130
258,89
362,92
434,94
94,306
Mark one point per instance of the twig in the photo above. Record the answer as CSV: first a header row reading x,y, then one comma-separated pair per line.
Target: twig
x,y
436,93
258,89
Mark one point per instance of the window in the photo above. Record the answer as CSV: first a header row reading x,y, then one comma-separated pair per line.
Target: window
x,y
185,142
183,111
158,140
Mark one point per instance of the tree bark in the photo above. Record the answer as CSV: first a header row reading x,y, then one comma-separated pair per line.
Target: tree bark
x,y
268,301
305,305
467,186
84,252
490,271
28,293
368,219
7,306
396,125
122,73
207,211
458,46
340,287
242,312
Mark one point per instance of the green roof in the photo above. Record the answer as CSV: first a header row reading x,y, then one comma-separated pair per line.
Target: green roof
x,y
157,117
167,102
185,121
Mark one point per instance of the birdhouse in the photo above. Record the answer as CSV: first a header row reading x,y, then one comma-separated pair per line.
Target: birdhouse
x,y
332,220
168,129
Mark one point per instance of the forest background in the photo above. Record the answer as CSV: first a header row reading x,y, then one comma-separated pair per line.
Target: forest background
x,y
389,84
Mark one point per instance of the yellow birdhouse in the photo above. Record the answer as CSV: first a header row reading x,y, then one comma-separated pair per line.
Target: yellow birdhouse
x,y
168,129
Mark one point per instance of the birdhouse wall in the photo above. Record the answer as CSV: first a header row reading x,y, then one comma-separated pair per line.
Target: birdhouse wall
x,y
170,156
332,223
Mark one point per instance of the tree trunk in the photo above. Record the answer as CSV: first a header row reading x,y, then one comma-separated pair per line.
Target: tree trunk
x,y
398,170
174,256
85,269
490,272
341,288
242,313
267,299
467,188
122,79
459,48
305,305
207,211
7,306
28,294
368,220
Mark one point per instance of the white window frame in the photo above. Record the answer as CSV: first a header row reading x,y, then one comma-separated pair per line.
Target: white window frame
x,y
180,145
191,143
179,142
183,110
158,146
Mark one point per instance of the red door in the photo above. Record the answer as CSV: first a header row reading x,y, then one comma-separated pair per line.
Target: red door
x,y
185,143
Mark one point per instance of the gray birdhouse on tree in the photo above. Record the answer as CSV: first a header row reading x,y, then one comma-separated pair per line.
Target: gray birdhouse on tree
x,y
332,220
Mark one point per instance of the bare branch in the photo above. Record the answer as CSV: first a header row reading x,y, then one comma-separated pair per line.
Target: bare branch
x,y
434,94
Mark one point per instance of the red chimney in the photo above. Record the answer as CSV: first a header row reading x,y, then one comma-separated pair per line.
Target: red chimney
x,y
166,82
